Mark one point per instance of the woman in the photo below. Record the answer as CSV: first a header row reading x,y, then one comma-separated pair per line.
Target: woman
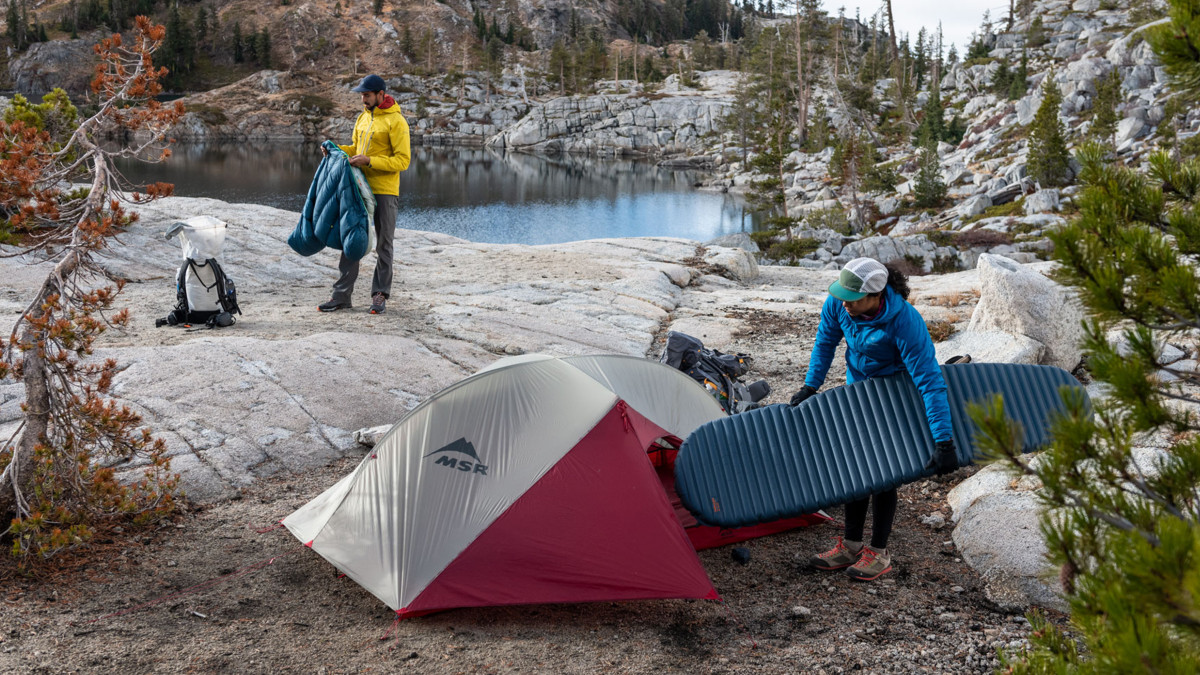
x,y
868,307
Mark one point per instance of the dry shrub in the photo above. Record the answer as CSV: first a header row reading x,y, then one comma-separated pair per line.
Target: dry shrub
x,y
955,299
983,238
939,330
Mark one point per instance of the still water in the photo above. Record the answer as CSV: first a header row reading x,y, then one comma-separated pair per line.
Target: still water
x,y
476,194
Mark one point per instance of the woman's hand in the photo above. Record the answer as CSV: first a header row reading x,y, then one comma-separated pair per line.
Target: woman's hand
x,y
945,458
798,397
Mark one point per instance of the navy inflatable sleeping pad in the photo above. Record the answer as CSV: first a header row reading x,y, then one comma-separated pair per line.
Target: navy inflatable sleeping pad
x,y
848,443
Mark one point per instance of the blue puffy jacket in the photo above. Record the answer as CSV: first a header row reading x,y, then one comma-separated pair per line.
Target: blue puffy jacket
x,y
334,214
896,341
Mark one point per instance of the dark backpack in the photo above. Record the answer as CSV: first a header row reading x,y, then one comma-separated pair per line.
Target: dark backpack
x,y
212,300
719,373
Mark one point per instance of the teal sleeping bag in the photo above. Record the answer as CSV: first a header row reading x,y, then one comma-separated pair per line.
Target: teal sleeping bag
x,y
847,443
338,211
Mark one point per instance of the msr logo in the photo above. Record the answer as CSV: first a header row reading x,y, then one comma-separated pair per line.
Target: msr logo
x,y
463,447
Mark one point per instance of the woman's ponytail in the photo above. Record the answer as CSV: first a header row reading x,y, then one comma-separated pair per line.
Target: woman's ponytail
x,y
897,280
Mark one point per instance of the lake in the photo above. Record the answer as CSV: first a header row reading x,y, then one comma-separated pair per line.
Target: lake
x,y
477,194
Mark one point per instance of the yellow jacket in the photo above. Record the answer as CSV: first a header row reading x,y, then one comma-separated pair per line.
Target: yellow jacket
x,y
382,135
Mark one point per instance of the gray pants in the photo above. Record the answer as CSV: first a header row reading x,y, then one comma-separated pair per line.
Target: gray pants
x,y
386,207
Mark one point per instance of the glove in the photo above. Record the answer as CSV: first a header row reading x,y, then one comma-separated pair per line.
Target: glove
x,y
799,396
944,460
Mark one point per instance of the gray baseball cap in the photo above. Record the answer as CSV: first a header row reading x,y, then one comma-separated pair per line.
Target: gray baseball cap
x,y
860,277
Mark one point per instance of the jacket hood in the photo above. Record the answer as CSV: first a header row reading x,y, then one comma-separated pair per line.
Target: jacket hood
x,y
388,105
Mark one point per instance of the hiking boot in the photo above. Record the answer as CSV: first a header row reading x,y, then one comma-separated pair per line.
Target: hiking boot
x,y
378,303
872,564
333,306
838,557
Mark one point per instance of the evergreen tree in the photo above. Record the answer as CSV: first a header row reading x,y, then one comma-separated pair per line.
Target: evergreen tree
x,y
377,7
1049,160
1104,111
1177,44
852,154
1018,83
200,31
557,67
178,52
14,27
1124,531
239,53
1122,525
955,130
1001,79
263,48
932,127
929,191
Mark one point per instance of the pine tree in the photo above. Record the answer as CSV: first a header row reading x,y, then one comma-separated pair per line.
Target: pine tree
x,y
932,127
1177,44
1018,83
1049,160
178,52
377,7
200,31
239,53
263,48
1124,530
1123,523
57,482
929,191
852,154
1104,116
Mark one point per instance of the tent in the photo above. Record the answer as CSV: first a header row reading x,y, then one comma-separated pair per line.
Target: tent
x,y
528,482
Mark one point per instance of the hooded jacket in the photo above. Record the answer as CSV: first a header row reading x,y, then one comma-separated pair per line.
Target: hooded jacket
x,y
382,134
334,213
895,341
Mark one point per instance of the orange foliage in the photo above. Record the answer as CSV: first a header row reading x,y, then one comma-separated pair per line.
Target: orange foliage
x,y
72,491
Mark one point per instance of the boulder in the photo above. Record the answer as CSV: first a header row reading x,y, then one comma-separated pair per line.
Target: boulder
x,y
998,534
736,240
1042,201
1027,107
887,205
991,346
974,206
1129,129
1017,299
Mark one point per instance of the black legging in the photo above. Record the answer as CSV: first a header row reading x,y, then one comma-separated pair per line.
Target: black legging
x,y
881,523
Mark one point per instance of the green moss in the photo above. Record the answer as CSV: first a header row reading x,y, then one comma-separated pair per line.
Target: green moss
x,y
209,114
1011,209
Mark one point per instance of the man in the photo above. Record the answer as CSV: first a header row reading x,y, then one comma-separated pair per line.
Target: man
x,y
379,146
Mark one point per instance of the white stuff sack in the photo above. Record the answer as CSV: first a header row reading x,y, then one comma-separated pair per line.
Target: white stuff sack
x,y
201,238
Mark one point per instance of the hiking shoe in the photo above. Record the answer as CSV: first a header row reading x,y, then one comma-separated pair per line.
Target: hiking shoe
x,y
836,558
872,564
378,303
333,306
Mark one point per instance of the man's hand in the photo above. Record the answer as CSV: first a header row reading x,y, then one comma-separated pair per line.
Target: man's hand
x,y
360,161
944,460
801,395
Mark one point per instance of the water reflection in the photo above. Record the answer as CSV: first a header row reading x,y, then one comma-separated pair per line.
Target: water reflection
x,y
477,194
